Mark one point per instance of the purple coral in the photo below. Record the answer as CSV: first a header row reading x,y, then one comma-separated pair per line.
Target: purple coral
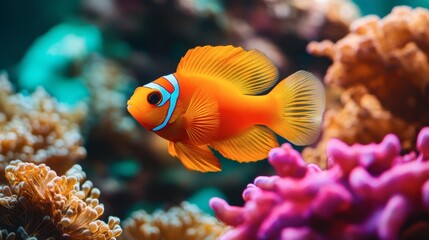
x,y
368,192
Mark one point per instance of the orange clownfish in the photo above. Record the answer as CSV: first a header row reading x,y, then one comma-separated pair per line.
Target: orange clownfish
x,y
214,100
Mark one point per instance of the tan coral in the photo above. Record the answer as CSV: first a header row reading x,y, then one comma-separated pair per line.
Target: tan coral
x,y
388,56
37,129
382,68
186,222
51,206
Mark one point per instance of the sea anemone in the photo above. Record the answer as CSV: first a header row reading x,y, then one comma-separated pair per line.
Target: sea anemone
x,y
183,222
367,192
38,129
38,204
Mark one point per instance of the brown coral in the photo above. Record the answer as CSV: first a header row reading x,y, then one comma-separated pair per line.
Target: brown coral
x,y
37,129
39,204
382,68
178,223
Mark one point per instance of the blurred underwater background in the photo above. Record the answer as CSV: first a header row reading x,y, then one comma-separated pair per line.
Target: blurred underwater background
x,y
74,164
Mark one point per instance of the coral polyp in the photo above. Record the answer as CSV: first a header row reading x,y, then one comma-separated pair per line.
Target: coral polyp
x,y
367,192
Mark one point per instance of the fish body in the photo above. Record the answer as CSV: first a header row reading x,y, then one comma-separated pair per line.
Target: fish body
x,y
236,112
213,100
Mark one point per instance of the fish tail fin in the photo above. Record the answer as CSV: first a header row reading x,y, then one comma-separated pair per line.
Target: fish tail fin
x,y
301,99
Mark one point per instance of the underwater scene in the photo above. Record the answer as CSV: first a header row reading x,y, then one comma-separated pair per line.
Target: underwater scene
x,y
214,119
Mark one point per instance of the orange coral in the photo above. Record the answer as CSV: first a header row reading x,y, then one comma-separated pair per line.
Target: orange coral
x,y
38,203
388,56
382,67
38,129
178,223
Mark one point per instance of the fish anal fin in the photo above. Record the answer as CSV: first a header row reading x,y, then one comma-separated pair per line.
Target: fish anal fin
x,y
195,157
249,146
250,71
202,117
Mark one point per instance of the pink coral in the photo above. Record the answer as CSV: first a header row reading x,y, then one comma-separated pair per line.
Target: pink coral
x,y
367,192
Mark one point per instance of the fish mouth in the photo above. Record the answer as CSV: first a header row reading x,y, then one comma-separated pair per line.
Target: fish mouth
x,y
132,108
136,113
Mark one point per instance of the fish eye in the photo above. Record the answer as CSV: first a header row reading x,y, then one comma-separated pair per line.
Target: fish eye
x,y
154,98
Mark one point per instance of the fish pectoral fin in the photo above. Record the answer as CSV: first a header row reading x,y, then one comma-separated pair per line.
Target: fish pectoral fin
x,y
171,149
249,146
195,157
202,117
250,71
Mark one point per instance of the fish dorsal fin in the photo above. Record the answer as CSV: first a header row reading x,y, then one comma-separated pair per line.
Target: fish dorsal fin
x,y
250,71
202,117
252,145
195,157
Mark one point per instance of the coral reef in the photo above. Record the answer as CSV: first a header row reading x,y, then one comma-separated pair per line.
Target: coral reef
x,y
39,204
183,222
37,129
389,58
368,192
